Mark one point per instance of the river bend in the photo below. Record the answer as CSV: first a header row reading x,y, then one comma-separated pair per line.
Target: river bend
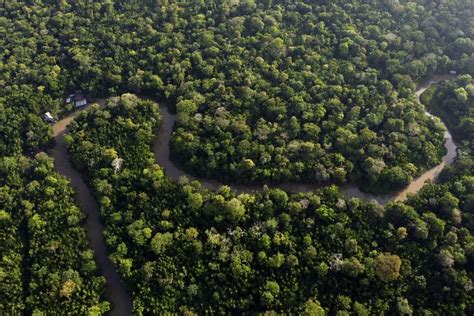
x,y
162,155
116,292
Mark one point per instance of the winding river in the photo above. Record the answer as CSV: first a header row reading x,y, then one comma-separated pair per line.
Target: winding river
x,y
116,292
162,156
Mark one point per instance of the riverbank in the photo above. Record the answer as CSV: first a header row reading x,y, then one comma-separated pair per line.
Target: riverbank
x,y
115,289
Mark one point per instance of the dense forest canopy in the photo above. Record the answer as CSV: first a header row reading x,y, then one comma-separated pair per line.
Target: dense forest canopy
x,y
311,91
264,91
184,249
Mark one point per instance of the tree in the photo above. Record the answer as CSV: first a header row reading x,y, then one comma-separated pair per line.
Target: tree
x,y
160,242
139,232
270,294
352,267
313,308
387,267
235,210
461,94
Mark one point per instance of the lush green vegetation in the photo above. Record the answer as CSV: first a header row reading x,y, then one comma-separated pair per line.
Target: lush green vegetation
x,y
46,264
275,90
185,249
22,130
269,90
299,97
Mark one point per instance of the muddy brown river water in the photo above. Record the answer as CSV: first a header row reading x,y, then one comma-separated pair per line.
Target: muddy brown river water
x,y
116,291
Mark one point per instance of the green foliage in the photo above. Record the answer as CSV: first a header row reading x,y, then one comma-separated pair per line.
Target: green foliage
x,y
311,91
47,266
118,140
274,251
314,101
387,267
22,130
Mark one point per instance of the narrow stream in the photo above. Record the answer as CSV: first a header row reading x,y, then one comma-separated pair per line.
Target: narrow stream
x,y
162,156
115,290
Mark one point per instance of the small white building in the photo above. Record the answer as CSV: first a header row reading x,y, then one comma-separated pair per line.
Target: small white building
x,y
452,72
48,117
